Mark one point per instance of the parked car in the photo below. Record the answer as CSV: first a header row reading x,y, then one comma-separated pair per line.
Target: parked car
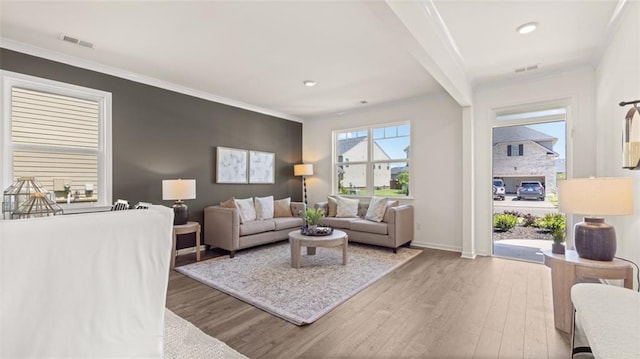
x,y
530,190
498,189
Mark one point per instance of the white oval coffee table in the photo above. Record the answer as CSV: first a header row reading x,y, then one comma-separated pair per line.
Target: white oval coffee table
x,y
298,240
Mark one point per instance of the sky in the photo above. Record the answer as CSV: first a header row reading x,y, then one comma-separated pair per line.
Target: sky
x,y
555,129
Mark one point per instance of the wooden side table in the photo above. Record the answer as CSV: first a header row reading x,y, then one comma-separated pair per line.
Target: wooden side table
x,y
565,271
189,227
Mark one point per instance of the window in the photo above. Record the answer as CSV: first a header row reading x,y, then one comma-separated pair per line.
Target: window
x,y
515,150
61,135
373,161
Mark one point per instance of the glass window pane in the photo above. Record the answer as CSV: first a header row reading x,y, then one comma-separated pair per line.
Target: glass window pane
x,y
394,148
391,179
560,113
352,179
403,130
352,148
390,131
378,133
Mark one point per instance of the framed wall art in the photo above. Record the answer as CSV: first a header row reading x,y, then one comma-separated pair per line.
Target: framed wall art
x,y
261,167
231,165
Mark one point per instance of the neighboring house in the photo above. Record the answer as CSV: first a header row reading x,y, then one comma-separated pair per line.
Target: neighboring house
x,y
524,154
354,176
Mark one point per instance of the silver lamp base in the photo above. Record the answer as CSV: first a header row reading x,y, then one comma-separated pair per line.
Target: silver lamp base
x,y
595,239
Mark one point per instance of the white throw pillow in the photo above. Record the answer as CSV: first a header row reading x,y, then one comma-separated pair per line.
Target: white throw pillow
x,y
246,208
377,209
264,207
347,207
282,207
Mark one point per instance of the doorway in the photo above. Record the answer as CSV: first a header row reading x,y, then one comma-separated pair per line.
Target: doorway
x,y
529,157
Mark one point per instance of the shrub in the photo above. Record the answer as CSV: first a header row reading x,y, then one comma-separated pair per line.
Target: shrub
x,y
513,213
529,220
556,223
504,222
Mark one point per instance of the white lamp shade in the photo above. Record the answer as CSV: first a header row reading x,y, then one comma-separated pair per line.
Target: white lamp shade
x,y
178,189
596,196
303,170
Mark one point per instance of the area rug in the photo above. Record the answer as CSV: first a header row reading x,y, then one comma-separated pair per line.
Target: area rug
x,y
184,340
263,277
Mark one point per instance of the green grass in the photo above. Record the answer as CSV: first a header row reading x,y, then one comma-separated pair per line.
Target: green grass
x,y
388,192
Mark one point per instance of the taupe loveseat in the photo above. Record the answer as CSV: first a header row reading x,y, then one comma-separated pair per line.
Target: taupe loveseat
x,y
395,229
222,228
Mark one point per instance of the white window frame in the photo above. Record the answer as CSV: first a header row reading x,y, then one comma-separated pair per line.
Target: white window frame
x,y
370,161
13,79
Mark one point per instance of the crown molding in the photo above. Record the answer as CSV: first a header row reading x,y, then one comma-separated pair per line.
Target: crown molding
x,y
128,75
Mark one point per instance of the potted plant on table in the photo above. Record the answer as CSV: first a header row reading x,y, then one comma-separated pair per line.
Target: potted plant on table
x,y
312,216
556,223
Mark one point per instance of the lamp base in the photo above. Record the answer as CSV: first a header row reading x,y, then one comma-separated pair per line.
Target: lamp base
x,y
595,239
180,213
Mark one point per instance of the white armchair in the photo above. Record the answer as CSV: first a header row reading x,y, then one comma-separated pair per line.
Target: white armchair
x,y
85,285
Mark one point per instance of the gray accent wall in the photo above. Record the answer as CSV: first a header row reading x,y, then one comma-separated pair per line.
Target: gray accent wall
x,y
160,134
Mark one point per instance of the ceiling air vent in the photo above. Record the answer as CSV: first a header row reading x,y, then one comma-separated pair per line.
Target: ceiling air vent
x,y
73,40
526,68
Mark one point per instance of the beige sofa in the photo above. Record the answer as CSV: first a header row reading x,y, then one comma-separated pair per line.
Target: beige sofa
x,y
395,229
222,228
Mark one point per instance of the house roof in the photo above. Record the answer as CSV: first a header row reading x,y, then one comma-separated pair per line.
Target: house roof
x,y
521,133
346,144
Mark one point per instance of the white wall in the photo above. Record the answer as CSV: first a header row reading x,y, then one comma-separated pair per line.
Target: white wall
x,y
436,169
575,88
618,79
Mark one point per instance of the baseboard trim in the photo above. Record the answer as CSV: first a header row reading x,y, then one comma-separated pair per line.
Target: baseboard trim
x,y
435,246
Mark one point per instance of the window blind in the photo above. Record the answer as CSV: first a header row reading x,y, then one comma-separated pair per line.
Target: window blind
x,y
55,137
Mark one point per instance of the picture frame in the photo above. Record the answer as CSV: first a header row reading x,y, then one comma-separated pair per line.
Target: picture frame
x,y
231,165
261,167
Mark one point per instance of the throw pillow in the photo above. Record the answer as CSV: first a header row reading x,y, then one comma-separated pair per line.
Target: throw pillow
x,y
282,207
332,205
386,212
230,203
377,209
347,207
246,208
264,207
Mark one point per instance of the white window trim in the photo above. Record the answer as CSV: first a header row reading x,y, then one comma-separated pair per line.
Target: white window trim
x,y
10,79
370,144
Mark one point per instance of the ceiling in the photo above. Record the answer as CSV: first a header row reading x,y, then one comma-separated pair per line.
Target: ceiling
x,y
259,53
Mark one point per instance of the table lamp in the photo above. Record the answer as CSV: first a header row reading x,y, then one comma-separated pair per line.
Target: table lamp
x,y
303,170
179,190
592,197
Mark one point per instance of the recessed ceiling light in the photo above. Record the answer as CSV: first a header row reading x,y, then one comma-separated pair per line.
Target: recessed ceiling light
x,y
309,83
527,28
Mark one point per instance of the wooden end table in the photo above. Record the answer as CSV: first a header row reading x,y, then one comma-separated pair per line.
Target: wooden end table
x,y
565,271
189,227
298,240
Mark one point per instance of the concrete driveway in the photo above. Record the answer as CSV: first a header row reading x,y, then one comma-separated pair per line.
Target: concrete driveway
x,y
511,203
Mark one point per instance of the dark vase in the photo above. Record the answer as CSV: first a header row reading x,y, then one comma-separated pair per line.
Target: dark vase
x,y
557,248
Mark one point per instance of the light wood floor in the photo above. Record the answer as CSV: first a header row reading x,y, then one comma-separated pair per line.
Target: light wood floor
x,y
436,306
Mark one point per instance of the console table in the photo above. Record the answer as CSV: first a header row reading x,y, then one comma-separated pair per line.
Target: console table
x,y
566,269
